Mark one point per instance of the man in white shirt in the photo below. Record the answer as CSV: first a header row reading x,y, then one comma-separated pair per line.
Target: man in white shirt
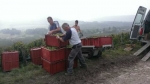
x,y
75,42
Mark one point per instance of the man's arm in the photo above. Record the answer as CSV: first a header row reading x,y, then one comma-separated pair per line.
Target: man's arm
x,y
57,29
60,39
67,36
80,30
63,35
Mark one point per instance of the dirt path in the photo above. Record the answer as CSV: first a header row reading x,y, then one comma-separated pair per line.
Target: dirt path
x,y
124,70
137,74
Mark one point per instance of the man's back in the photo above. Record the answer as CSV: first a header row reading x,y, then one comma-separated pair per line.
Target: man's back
x,y
74,37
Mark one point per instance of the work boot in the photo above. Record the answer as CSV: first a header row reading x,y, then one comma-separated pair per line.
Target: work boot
x,y
84,66
69,74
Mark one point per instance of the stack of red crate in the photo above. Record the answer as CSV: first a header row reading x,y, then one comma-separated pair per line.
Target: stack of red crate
x,y
55,61
36,55
10,60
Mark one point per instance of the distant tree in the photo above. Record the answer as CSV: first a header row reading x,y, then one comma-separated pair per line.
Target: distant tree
x,y
12,31
37,31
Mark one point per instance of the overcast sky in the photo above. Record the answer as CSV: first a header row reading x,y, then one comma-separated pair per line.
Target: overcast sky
x,y
26,10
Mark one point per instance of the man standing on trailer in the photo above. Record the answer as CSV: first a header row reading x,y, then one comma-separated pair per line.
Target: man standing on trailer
x,y
54,28
78,29
74,40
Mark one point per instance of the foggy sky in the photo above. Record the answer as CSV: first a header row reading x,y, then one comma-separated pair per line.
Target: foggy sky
x,y
86,10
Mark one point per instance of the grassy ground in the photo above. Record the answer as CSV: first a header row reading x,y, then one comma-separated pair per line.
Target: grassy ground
x,y
21,74
118,52
33,74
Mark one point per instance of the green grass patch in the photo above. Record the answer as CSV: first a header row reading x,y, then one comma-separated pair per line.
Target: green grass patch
x,y
119,51
20,74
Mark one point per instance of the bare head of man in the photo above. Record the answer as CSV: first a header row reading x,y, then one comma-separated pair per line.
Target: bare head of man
x,y
65,26
50,20
76,23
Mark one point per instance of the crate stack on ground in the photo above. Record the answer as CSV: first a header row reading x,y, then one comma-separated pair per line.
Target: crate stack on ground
x,y
10,60
36,54
55,55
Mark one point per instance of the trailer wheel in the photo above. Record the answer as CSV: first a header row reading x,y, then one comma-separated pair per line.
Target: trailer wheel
x,y
90,54
99,53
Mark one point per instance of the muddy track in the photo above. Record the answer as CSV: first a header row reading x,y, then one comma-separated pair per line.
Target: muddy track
x,y
101,71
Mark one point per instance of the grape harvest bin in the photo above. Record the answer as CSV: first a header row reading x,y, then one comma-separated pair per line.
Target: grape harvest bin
x,y
36,55
52,41
10,60
54,67
53,55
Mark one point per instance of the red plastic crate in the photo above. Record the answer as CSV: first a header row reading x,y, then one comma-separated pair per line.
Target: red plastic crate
x,y
92,41
105,41
10,60
101,41
52,41
54,67
83,41
68,50
86,42
96,42
54,55
36,55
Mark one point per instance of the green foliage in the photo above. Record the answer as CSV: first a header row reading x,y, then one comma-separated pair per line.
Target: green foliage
x,y
121,39
24,49
21,47
36,43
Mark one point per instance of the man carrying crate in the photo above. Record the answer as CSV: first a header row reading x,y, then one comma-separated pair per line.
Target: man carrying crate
x,y
54,26
74,40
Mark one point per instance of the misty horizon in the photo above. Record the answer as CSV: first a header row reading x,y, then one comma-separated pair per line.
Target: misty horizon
x,y
24,13
42,23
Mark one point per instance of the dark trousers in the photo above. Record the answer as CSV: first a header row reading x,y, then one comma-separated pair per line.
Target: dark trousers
x,y
76,51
